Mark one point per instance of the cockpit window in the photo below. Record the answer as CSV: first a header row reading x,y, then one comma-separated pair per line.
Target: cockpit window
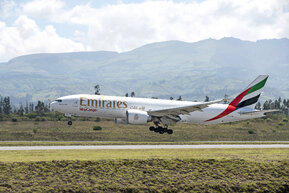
x,y
58,100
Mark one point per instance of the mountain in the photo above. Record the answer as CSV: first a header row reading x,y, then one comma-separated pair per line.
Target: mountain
x,y
172,68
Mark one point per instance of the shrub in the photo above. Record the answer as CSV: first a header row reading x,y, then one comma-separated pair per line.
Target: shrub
x,y
97,119
251,132
269,120
37,118
281,124
14,120
25,119
97,128
31,115
34,130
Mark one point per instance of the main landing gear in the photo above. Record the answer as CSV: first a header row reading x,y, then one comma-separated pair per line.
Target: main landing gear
x,y
161,130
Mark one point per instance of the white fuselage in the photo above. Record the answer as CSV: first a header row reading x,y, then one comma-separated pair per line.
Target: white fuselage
x,y
116,107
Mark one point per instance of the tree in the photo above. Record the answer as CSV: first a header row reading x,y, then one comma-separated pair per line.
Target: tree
x,y
207,99
26,109
258,106
6,105
97,89
284,104
266,105
226,99
271,104
41,108
277,103
20,111
180,98
171,98
132,94
31,107
1,105
126,94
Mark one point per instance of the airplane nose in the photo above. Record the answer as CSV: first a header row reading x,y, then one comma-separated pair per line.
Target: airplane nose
x,y
53,106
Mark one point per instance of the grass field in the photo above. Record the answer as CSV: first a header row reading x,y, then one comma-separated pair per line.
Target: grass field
x,y
258,155
270,129
146,175
156,170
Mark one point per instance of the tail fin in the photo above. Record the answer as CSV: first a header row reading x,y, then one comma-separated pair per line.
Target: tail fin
x,y
248,97
251,94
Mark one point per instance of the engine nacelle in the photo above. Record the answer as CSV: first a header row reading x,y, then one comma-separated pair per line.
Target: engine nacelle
x,y
136,117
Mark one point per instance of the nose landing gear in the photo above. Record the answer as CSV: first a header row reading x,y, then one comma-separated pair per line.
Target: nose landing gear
x,y
69,119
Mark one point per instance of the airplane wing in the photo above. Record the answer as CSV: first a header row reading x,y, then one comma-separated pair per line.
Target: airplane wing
x,y
175,112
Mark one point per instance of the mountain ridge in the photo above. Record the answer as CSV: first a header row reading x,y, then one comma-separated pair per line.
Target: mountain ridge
x,y
162,69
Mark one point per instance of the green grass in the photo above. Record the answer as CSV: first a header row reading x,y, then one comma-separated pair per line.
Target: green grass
x,y
155,170
151,175
261,155
253,130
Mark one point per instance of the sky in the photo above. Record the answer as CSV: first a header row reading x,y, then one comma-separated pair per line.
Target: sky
x,y
54,26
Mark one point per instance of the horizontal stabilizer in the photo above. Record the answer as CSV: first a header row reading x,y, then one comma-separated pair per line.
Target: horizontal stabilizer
x,y
260,112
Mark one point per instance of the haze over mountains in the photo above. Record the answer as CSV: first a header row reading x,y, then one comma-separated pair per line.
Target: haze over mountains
x,y
173,68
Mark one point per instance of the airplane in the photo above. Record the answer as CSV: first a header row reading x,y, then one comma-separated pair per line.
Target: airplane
x,y
140,111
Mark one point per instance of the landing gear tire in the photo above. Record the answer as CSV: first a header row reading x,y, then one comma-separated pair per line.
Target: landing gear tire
x,y
161,130
152,128
169,131
69,122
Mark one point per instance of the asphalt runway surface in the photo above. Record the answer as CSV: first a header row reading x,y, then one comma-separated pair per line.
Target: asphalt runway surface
x,y
96,147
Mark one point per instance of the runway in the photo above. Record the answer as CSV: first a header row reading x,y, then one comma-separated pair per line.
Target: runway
x,y
100,147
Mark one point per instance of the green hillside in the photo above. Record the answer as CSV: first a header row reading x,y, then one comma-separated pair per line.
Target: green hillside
x,y
193,70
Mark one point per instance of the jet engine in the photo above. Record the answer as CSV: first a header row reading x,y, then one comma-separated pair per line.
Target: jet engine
x,y
136,117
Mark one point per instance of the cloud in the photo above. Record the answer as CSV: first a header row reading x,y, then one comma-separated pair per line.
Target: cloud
x,y
122,27
25,37
125,26
6,8
42,8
